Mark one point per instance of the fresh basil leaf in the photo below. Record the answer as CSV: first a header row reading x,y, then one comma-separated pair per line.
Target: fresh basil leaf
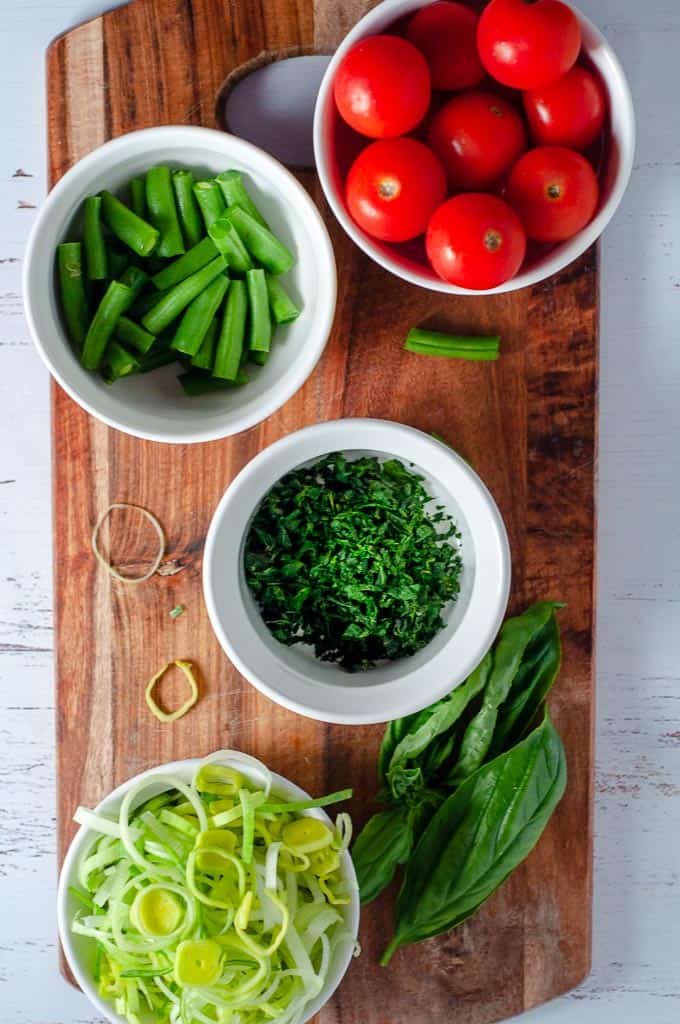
x,y
394,733
438,753
532,684
406,783
513,640
384,842
420,730
479,835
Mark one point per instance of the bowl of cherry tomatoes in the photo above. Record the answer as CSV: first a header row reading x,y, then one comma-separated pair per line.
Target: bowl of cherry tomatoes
x,y
469,152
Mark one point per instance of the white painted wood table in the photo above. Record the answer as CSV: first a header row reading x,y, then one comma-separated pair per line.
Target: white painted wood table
x,y
636,970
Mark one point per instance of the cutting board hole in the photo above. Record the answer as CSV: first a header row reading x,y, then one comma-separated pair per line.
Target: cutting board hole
x,y
270,102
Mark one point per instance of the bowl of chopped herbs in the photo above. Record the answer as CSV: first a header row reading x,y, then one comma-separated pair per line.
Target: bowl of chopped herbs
x,y
356,570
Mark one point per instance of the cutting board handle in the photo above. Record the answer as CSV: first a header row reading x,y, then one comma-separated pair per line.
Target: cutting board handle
x,y
332,22
237,74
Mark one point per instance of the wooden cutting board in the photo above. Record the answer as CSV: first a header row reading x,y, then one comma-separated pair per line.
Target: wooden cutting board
x,y
527,424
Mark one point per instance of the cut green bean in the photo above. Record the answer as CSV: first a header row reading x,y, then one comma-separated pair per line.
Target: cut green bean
x,y
453,346
194,325
146,301
135,232
197,383
135,278
158,355
236,194
189,214
282,307
210,201
117,261
205,357
118,362
160,199
228,241
72,290
262,245
115,302
176,271
93,239
232,333
131,334
138,197
176,300
186,265
260,325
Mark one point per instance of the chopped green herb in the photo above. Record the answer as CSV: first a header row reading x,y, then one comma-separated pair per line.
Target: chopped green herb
x,y
177,611
354,558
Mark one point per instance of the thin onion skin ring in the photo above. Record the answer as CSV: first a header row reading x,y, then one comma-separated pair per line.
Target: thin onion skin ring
x,y
172,716
107,565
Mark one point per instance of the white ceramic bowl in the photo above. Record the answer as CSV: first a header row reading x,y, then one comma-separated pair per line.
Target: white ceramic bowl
x,y
293,676
79,950
401,260
153,406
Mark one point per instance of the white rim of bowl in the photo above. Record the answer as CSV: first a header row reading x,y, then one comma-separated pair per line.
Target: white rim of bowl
x,y
309,357
582,241
349,435
73,852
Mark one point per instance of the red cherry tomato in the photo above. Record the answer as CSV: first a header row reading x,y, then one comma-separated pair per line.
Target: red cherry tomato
x,y
527,44
478,136
570,112
476,241
393,188
554,191
446,33
382,87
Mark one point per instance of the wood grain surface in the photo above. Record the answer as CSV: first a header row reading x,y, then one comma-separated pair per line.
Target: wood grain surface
x,y
527,424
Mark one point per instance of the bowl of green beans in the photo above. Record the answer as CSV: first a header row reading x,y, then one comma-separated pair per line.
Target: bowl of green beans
x,y
179,284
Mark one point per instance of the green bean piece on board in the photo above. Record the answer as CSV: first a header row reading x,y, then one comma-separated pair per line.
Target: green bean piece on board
x,y
72,290
136,233
93,239
236,194
260,332
262,245
195,322
175,301
190,217
116,300
454,346
232,333
160,199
